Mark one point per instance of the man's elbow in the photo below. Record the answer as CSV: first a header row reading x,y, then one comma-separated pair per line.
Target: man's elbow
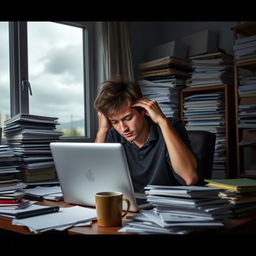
x,y
192,179
193,176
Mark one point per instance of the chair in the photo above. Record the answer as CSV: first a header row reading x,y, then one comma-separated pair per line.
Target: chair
x,y
203,145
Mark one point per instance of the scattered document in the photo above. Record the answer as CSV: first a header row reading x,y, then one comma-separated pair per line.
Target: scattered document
x,y
64,218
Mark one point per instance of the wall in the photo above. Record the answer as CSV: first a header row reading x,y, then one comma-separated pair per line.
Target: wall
x,y
145,35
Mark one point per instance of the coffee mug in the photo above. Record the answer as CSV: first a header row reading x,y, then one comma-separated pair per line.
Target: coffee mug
x,y
109,208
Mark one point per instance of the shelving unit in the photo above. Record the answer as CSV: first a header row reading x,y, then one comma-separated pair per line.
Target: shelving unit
x,y
229,132
245,137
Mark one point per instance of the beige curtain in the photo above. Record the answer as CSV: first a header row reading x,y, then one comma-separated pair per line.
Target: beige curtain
x,y
117,57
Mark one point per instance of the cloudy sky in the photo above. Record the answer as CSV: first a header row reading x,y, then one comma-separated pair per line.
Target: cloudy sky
x,y
55,59
4,70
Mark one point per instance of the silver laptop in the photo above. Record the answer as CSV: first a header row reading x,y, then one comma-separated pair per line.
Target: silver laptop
x,y
83,169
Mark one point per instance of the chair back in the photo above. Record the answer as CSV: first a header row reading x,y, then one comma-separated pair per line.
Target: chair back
x,y
203,145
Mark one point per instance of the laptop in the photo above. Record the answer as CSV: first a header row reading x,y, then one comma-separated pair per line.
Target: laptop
x,y
83,169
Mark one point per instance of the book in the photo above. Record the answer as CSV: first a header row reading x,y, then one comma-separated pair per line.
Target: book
x,y
168,61
9,201
241,185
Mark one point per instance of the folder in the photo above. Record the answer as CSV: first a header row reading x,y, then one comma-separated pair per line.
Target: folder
x,y
240,185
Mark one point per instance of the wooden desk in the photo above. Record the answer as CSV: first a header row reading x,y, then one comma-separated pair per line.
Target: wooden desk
x,y
241,226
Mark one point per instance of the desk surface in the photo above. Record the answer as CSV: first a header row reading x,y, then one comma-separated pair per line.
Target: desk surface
x,y
246,225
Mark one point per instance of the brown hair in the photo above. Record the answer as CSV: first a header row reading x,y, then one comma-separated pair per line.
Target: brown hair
x,y
113,93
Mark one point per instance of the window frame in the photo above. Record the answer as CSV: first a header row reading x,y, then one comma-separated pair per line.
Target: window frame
x,y
19,91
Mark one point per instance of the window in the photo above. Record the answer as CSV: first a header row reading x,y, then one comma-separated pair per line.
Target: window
x,y
53,74
56,74
4,74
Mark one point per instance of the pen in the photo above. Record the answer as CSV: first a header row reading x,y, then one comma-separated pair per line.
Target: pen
x,y
33,197
21,215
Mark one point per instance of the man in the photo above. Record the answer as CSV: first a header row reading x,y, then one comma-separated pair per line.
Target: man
x,y
158,149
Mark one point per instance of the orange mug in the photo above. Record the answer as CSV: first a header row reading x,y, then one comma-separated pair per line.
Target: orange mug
x,y
109,208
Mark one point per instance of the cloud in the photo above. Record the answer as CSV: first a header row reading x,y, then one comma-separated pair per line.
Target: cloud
x,y
67,61
50,96
5,99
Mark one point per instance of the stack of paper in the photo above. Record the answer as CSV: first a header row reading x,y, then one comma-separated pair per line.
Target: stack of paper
x,y
247,106
245,48
63,219
205,111
211,69
9,172
45,192
166,93
162,79
29,136
180,210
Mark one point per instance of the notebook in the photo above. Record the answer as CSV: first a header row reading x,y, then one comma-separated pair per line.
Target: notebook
x,y
83,169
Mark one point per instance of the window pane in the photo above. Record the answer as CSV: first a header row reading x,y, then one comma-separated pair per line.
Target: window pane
x,y
55,57
4,74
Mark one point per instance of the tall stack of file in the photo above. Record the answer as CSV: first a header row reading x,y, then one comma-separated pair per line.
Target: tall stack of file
x,y
162,79
205,111
29,136
9,162
180,210
245,48
211,69
247,106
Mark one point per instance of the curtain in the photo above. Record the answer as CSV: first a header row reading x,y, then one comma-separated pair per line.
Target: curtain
x,y
117,57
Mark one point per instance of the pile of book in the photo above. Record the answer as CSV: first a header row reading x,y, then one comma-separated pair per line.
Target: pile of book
x,y
211,69
180,210
162,79
241,193
12,197
29,136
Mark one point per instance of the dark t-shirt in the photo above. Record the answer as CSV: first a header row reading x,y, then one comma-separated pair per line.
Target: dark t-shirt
x,y
151,164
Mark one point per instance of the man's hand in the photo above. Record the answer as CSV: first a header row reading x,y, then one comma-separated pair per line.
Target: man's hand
x,y
103,123
103,127
152,109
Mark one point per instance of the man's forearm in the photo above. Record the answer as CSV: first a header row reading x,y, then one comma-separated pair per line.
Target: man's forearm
x,y
182,159
101,137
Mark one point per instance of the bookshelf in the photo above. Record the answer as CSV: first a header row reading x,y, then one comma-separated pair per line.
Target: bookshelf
x,y
229,133
245,66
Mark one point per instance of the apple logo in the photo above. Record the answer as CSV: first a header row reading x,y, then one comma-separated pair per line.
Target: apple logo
x,y
89,175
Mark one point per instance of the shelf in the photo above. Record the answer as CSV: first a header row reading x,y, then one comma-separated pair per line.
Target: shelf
x,y
246,96
244,175
205,88
245,153
248,145
246,29
247,64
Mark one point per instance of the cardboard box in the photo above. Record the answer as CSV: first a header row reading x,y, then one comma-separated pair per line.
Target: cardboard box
x,y
172,48
200,42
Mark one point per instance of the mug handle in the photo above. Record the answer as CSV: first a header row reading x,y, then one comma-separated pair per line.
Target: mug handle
x,y
128,207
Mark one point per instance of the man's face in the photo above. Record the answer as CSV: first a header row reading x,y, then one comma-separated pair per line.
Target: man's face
x,y
129,122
